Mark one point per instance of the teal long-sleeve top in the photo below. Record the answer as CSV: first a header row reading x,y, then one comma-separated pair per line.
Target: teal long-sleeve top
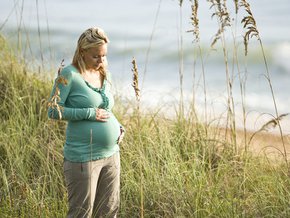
x,y
86,138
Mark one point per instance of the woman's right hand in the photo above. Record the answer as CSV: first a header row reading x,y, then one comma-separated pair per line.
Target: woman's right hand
x,y
102,115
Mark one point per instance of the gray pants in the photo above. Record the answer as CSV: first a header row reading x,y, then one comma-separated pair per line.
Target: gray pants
x,y
93,187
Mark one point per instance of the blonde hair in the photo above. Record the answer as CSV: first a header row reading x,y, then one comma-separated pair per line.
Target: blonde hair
x,y
92,37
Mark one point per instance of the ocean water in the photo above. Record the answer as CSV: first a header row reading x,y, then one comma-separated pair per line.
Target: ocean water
x,y
150,31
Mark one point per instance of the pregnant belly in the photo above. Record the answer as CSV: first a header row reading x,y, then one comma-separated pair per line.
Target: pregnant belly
x,y
93,132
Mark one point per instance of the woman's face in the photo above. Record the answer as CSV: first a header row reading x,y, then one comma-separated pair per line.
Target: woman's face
x,y
95,58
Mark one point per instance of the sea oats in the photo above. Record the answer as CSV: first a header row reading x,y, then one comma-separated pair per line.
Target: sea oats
x,y
249,24
223,16
271,124
194,20
135,83
54,100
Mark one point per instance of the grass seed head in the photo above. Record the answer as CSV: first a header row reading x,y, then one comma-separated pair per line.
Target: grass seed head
x,y
135,83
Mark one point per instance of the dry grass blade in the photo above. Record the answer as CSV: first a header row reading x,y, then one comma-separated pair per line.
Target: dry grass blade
x,y
135,83
54,100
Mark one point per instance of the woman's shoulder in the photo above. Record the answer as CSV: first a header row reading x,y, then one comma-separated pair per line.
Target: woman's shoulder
x,y
69,71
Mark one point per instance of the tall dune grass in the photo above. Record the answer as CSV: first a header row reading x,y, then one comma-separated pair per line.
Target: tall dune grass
x,y
31,180
170,168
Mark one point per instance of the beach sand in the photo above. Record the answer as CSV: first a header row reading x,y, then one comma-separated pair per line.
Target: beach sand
x,y
266,144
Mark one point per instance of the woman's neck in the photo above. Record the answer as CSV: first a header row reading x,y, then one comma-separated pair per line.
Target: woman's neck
x,y
94,78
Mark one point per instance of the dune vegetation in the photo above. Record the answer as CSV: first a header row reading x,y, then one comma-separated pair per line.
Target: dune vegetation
x,y
179,167
170,168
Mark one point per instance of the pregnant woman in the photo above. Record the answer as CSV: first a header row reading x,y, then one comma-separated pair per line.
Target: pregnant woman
x,y
81,95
